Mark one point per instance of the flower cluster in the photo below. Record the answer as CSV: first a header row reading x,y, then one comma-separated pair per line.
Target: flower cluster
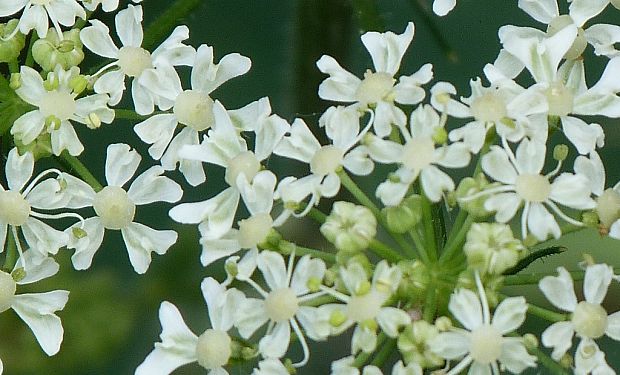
x,y
417,275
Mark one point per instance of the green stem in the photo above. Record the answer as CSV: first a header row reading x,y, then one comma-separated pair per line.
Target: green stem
x,y
419,245
430,305
548,315
362,358
74,164
286,248
534,278
129,114
384,353
455,242
161,27
11,252
316,215
358,194
384,251
551,365
429,228
30,58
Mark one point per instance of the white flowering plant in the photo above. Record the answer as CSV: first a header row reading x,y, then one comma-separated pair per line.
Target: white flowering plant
x,y
423,205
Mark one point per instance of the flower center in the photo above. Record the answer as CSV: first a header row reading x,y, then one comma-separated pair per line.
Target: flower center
x,y
326,160
194,109
365,307
533,187
589,320
488,108
213,349
57,103
134,60
7,291
114,207
244,163
14,209
560,99
418,153
486,344
374,88
580,43
254,229
281,304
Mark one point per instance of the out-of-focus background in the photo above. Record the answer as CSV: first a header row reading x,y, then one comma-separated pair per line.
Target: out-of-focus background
x,y
111,320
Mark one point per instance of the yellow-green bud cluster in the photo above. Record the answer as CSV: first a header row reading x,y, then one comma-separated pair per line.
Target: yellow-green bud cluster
x,y
468,187
405,216
491,248
349,227
51,51
413,344
10,48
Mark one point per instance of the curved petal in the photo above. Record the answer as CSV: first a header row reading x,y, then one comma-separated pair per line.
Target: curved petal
x,y
509,314
515,357
121,164
450,345
496,165
18,169
151,186
275,343
129,26
341,86
28,126
387,49
157,131
559,290
85,246
596,281
273,268
559,336
97,39
141,241
305,270
465,306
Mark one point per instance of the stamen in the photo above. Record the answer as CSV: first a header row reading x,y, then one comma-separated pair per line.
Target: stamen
x,y
302,341
38,178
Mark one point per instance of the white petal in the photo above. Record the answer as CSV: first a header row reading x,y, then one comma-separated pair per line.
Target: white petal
x,y
435,182
85,247
581,134
151,186
275,343
596,281
217,213
207,76
541,223
36,272
505,206
43,238
273,268
178,346
558,336
18,169
28,126
157,131
363,339
450,345
306,269
530,157
541,10
121,164
142,240
31,88
218,248
496,164
341,85
559,290
97,39
582,10
572,191
593,170
465,306
443,7
37,310
515,357
391,319
129,26
251,316
387,49
613,326
509,314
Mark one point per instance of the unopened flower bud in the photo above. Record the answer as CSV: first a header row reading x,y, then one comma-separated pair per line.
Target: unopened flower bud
x,y
405,216
350,227
16,81
78,84
18,274
440,136
443,323
51,51
608,207
467,188
491,248
78,233
414,347
10,48
530,341
560,152
337,318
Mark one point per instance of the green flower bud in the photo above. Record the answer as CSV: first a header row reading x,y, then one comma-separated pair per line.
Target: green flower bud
x,y
16,81
415,281
349,227
440,136
40,148
10,48
530,341
337,318
78,232
560,152
491,248
443,323
405,216
51,51
413,344
467,188
18,274
590,219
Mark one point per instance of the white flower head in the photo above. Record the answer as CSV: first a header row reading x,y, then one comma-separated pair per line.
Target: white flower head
x,y
589,320
37,14
378,89
481,344
115,209
180,346
131,60
283,305
57,106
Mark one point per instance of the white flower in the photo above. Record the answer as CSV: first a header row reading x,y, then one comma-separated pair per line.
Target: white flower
x,y
270,366
179,345
419,156
57,104
20,203
106,5
364,307
225,147
343,128
481,343
523,184
35,309
37,14
132,60
115,209
344,366
377,89
283,305
589,320
192,108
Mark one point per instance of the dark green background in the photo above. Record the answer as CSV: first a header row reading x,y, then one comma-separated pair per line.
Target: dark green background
x,y
111,319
